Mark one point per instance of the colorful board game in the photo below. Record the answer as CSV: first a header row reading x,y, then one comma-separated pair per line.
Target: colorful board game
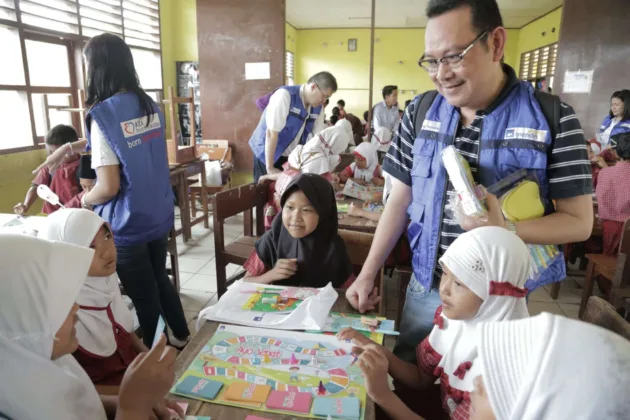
x,y
265,299
337,321
287,372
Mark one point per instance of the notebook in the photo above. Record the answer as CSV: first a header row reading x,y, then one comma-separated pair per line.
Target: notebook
x,y
342,408
296,402
195,387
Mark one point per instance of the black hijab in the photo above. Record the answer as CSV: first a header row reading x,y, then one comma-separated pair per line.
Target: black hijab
x,y
321,256
85,168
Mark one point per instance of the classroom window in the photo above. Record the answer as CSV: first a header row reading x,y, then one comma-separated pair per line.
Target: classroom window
x,y
46,111
47,64
539,63
12,68
15,120
149,68
290,68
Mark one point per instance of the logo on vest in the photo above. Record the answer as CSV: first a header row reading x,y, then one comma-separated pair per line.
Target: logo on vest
x,y
429,125
525,134
139,126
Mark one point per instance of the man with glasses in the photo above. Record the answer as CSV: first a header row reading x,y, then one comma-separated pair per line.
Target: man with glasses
x,y
293,115
498,125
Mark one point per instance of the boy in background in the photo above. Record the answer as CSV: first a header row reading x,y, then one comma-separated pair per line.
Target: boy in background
x,y
63,181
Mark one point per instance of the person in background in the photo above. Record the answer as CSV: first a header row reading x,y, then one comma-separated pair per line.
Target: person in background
x,y
126,132
613,196
342,108
63,180
606,158
303,247
385,114
407,102
365,170
357,129
478,98
87,180
293,115
366,128
618,119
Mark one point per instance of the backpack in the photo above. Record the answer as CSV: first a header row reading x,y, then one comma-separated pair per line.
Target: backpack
x,y
549,104
263,101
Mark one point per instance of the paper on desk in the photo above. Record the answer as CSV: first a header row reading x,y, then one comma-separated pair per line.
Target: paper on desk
x,y
311,314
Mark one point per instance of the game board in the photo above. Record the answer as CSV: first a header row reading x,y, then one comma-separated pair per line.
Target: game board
x,y
265,299
285,360
338,321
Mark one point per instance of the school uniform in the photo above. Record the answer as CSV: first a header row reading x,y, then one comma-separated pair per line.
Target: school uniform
x,y
63,182
373,170
385,117
610,127
613,204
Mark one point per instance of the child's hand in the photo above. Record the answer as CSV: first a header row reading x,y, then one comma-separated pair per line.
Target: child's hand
x,y
374,365
263,179
378,182
162,411
359,181
147,379
20,209
284,269
354,211
357,338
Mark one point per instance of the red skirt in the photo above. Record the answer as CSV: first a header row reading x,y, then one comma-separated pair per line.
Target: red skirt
x,y
612,236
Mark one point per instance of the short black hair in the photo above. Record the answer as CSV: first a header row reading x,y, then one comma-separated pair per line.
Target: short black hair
x,y
407,102
324,80
335,111
623,145
327,102
334,118
387,90
624,96
60,135
486,15
366,114
341,103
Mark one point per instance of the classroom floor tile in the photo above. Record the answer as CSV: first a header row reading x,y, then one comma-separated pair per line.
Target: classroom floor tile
x,y
191,265
536,308
570,291
570,310
193,300
201,282
540,295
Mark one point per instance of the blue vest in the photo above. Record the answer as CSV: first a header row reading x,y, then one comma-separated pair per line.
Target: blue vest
x,y
622,126
515,135
143,209
295,120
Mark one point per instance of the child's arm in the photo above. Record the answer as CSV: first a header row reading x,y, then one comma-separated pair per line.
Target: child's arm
x,y
346,174
269,177
138,345
31,196
366,214
378,182
283,270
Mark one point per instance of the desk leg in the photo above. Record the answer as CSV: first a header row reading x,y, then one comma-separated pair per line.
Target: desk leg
x,y
204,197
587,292
184,209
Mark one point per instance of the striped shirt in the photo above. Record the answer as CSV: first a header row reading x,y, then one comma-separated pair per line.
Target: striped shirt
x,y
568,170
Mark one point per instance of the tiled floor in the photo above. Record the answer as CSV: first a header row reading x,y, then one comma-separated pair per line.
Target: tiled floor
x,y
198,279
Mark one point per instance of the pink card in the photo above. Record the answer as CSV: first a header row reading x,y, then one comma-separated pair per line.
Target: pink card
x,y
250,417
184,407
297,402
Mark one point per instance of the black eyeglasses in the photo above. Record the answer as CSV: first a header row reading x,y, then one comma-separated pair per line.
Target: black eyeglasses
x,y
452,60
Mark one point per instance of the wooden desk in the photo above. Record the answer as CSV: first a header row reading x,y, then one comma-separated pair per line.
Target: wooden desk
x,y
224,412
358,224
179,178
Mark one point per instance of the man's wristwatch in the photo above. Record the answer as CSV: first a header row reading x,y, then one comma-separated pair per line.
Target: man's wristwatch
x,y
510,226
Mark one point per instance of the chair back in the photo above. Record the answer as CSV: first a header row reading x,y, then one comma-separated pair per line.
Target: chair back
x,y
599,312
622,270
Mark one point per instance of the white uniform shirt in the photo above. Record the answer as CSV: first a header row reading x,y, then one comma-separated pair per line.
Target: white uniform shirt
x,y
277,112
385,117
102,153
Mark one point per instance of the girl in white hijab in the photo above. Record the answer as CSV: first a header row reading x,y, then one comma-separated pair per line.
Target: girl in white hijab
x,y
320,156
107,343
551,368
365,169
485,271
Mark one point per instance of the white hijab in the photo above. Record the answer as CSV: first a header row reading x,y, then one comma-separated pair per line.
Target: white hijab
x,y
382,138
95,330
40,282
494,264
368,152
320,154
552,368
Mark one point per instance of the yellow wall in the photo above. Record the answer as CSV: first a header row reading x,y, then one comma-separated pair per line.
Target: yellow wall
x,y
16,177
291,35
530,36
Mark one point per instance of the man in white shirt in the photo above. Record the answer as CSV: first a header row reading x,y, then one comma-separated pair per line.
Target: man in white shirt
x,y
386,113
293,115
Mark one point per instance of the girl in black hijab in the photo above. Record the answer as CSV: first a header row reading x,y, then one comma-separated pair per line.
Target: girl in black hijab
x,y
302,248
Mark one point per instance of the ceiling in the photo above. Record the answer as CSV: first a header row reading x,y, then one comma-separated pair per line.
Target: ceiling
x,y
310,14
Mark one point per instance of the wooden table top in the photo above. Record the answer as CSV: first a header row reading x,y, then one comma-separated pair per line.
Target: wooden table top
x,y
224,412
358,224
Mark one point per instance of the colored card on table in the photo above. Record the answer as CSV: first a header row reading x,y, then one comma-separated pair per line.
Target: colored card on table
x,y
344,408
297,402
247,392
158,331
182,405
250,417
193,386
240,403
198,418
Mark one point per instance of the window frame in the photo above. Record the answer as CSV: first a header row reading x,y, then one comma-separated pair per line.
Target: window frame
x,y
74,44
537,63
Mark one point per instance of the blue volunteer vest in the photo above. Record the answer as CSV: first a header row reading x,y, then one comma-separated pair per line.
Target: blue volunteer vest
x,y
515,135
295,120
622,126
142,211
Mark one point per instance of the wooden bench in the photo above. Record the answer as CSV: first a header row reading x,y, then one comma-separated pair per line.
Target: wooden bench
x,y
613,268
226,204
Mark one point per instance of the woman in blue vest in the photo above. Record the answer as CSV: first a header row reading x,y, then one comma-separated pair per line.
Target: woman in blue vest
x,y
133,190
618,120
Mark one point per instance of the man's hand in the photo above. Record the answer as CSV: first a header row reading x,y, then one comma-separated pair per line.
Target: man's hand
x,y
362,295
493,218
374,365
273,170
284,269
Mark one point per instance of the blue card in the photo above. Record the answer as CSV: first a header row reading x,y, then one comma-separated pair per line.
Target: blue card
x,y
342,408
161,325
195,387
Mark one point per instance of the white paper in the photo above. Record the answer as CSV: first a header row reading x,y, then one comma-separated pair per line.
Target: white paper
x,y
577,81
258,71
311,314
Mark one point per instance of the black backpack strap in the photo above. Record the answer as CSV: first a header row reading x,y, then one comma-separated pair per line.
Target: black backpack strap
x,y
426,100
550,106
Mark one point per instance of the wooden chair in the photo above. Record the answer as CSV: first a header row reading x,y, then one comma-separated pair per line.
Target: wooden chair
x,y
602,313
243,199
612,268
358,245
180,154
404,277
216,150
